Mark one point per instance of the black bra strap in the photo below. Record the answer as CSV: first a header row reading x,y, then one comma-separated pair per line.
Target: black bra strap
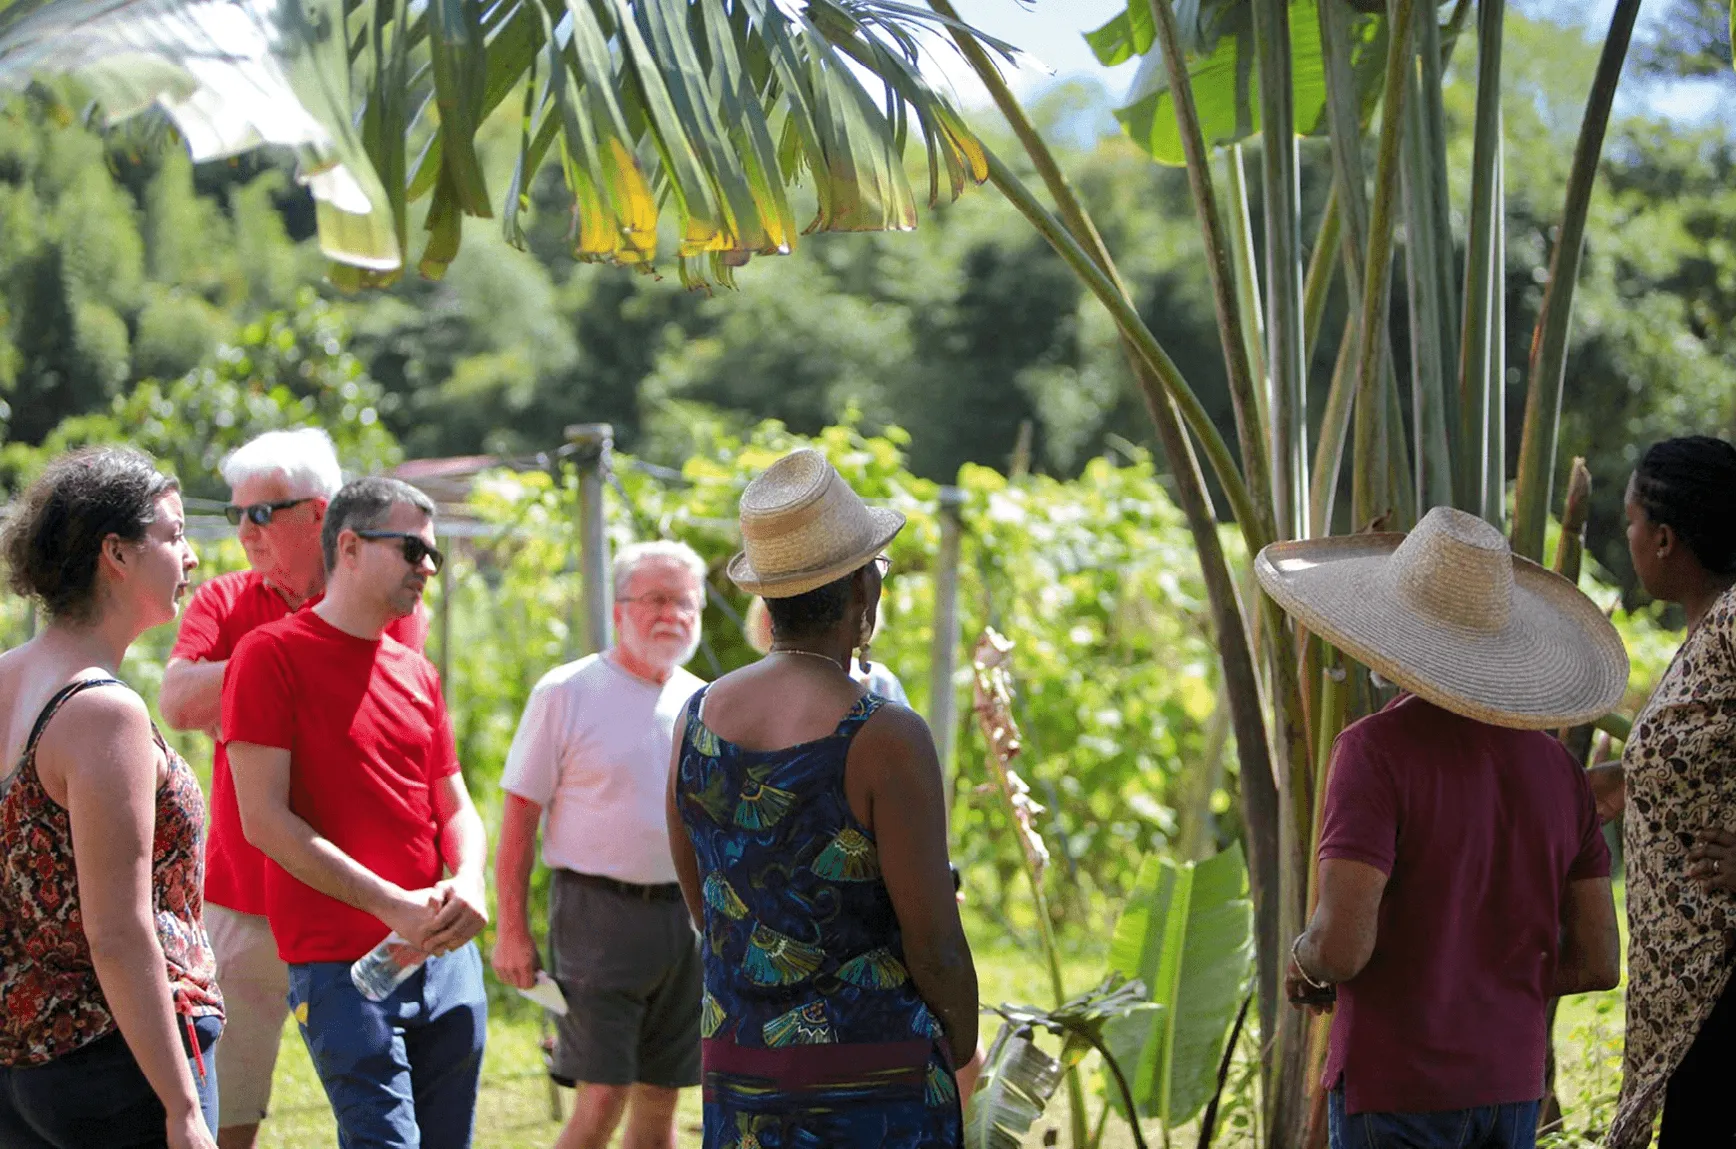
x,y
61,697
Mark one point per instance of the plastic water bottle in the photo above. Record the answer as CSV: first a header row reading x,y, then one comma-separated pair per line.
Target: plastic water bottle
x,y
386,967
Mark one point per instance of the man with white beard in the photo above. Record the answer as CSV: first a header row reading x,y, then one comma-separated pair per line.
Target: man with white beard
x,y
593,749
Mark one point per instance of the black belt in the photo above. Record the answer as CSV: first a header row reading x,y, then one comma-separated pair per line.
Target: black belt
x,y
661,892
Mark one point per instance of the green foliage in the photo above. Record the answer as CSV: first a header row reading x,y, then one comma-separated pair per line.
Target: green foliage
x,y
286,369
1186,933
1094,579
1223,71
116,265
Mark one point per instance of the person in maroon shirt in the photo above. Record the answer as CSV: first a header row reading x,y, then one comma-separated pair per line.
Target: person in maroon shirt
x,y
281,483
1463,877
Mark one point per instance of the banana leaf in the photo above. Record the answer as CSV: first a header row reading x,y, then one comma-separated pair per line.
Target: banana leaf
x,y
1224,73
706,111
1187,933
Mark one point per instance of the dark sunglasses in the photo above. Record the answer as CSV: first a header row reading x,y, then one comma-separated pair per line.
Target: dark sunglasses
x,y
260,513
415,547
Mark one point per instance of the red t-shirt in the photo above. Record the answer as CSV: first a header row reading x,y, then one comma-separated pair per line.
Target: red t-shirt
x,y
222,611
368,738
1478,829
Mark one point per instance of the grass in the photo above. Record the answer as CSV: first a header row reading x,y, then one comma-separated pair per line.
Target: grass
x,y
513,1111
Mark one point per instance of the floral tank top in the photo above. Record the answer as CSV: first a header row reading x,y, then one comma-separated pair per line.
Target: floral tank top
x,y
50,1002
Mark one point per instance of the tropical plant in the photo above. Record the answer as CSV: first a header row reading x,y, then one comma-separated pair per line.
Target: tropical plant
x,y
1283,686
1187,935
715,110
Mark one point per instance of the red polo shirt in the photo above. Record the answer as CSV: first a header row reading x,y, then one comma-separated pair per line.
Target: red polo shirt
x,y
220,613
1478,829
368,738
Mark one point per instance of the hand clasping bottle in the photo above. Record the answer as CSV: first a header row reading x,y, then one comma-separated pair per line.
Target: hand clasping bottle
x,y
386,967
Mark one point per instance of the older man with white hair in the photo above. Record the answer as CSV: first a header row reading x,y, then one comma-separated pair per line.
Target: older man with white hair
x,y
593,750
281,483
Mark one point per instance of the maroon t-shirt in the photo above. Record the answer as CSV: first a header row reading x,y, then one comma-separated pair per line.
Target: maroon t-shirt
x,y
1478,829
222,612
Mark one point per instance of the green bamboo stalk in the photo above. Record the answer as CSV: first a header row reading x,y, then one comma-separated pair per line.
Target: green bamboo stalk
x,y
1369,500
1403,510
1548,374
1428,255
1317,284
1432,57
1483,276
1345,120
1334,429
1248,278
1495,400
1281,197
1219,264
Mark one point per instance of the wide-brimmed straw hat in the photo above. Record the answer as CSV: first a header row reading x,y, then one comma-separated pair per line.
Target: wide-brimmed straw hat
x,y
1451,614
803,527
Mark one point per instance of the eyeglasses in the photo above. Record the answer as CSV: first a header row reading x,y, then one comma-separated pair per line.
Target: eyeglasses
x,y
882,563
260,513
687,604
416,548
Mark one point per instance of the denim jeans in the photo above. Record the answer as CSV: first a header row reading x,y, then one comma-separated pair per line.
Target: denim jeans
x,y
400,1073
1511,1126
97,1097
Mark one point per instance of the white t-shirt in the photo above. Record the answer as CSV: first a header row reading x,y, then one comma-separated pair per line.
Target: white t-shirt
x,y
881,681
593,750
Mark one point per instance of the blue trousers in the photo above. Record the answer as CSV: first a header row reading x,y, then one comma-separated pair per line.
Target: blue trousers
x,y
1512,1126
97,1097
400,1073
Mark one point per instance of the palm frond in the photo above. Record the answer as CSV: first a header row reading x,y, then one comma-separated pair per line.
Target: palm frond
x,y
704,113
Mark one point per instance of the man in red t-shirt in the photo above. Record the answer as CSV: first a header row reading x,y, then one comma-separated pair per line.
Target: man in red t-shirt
x,y
1463,878
280,483
347,778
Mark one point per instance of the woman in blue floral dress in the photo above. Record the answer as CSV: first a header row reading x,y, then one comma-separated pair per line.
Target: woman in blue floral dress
x,y
810,839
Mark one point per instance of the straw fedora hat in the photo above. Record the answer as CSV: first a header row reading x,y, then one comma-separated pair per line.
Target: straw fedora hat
x,y
1451,614
803,527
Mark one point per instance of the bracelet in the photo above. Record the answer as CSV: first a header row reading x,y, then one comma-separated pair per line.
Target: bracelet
x,y
1296,957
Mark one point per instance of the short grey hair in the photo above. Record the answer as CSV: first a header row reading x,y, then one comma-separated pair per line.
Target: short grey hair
x,y
304,457
667,550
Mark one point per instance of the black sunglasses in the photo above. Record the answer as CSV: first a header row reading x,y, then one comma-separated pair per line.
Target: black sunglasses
x,y
260,513
416,548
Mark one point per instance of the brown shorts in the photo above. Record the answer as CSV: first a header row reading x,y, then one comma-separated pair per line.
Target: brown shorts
x,y
630,971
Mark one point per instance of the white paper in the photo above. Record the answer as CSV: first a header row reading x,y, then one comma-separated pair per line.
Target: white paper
x,y
547,994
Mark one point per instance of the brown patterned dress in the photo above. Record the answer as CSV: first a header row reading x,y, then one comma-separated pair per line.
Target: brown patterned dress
x,y
1681,775
51,1003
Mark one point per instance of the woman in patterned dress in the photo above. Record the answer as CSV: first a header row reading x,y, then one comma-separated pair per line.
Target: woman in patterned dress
x,y
108,995
1678,779
809,832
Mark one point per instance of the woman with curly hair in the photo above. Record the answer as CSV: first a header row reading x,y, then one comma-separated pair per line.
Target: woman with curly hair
x,y
108,995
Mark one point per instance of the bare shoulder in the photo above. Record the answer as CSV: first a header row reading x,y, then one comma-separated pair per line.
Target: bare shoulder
x,y
102,734
100,714
896,734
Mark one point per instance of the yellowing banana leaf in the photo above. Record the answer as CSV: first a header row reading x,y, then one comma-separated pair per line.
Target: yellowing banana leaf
x,y
712,109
